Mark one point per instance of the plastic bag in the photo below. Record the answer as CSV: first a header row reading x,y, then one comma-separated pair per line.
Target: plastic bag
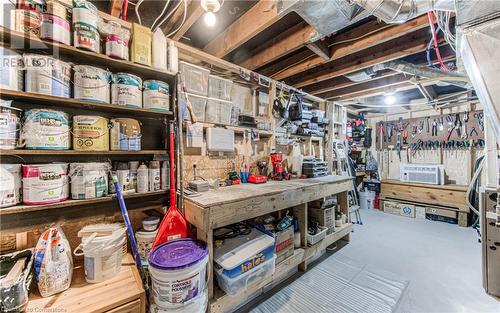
x,y
14,296
53,262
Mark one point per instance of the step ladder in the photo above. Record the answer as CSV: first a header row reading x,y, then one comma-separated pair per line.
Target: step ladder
x,y
345,167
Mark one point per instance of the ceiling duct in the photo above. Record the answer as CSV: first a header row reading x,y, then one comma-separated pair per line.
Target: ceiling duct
x,y
361,76
326,16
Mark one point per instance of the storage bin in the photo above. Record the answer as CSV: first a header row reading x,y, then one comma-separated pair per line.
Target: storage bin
x,y
314,239
195,78
218,111
324,217
199,105
240,283
219,88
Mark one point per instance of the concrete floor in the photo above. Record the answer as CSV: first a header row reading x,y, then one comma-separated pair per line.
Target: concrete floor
x,y
441,261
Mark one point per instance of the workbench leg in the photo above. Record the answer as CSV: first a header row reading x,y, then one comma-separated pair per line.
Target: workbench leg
x,y
462,219
208,238
343,203
300,212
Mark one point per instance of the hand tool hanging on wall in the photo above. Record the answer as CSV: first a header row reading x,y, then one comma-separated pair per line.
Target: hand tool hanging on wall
x,y
441,124
434,127
427,124
465,133
390,128
414,131
458,125
381,131
398,146
404,133
479,117
473,132
421,127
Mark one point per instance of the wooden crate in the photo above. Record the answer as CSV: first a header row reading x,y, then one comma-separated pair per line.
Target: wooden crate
x,y
392,207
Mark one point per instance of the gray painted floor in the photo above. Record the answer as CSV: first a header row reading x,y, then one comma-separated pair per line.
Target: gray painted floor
x,y
441,261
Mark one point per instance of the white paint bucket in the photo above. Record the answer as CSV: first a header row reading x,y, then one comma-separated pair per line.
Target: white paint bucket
x,y
126,90
86,13
11,74
45,183
89,180
10,185
45,130
9,126
116,47
156,95
90,133
91,83
25,21
55,28
102,255
47,75
125,134
145,242
177,270
86,37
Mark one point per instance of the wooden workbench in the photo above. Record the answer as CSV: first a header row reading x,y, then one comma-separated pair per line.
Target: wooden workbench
x,y
450,197
229,205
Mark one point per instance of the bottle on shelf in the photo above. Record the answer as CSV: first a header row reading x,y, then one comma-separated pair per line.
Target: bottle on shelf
x,y
165,170
142,178
172,58
154,176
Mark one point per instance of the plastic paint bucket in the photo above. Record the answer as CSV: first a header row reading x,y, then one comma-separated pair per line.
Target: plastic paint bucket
x,y
9,127
145,242
10,185
125,134
55,28
86,37
45,183
89,180
91,83
11,75
85,13
156,95
57,8
177,270
126,90
25,21
116,47
45,130
197,306
47,75
90,133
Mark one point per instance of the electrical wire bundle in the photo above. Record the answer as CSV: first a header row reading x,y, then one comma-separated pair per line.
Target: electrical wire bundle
x,y
435,42
159,20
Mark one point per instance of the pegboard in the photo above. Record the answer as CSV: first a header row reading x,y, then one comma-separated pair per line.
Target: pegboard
x,y
416,129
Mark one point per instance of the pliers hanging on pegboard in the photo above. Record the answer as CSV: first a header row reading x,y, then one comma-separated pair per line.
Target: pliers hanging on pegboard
x,y
434,127
473,132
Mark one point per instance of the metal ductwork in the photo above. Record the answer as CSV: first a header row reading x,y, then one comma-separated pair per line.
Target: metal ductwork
x,y
326,16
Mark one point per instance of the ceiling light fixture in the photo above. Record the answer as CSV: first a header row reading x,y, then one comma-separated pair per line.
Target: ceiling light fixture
x,y
211,7
389,99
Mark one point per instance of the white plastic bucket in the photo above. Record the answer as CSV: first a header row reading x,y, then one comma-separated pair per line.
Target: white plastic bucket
x,y
156,95
11,75
197,306
366,199
145,242
55,28
45,130
10,185
92,83
89,180
47,75
126,90
45,183
10,123
102,255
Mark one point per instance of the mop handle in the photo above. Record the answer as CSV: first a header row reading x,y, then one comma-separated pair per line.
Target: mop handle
x,y
173,196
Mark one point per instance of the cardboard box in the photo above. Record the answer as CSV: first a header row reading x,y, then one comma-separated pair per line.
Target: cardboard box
x,y
441,212
284,244
407,210
392,208
419,212
325,217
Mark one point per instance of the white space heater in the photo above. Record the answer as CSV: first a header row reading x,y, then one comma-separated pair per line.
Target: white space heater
x,y
422,173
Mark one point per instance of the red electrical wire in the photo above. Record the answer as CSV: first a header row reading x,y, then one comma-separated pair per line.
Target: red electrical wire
x,y
434,37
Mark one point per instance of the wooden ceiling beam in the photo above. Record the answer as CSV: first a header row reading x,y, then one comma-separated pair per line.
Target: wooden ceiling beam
x,y
194,12
378,34
320,48
291,40
258,18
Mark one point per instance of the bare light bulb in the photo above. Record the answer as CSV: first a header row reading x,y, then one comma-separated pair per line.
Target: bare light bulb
x,y
210,19
389,99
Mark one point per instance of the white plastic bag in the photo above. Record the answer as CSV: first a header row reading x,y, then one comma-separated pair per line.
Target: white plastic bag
x,y
53,262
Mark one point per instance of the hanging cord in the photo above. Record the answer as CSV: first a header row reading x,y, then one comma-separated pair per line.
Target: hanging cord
x,y
167,16
436,47
137,14
161,14
183,20
472,184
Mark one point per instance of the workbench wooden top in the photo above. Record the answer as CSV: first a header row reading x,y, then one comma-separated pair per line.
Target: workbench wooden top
x,y
247,191
446,187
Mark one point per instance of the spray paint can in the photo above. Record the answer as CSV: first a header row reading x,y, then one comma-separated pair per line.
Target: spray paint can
x,y
165,179
154,176
133,166
123,174
142,178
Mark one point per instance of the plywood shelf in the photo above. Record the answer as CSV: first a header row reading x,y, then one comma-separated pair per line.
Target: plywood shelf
x,y
80,153
239,129
17,209
53,101
23,42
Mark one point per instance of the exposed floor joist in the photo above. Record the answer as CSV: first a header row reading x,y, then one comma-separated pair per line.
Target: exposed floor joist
x,y
194,12
258,18
369,34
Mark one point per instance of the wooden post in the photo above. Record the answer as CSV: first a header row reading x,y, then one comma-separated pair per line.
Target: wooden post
x,y
343,203
300,212
207,236
330,109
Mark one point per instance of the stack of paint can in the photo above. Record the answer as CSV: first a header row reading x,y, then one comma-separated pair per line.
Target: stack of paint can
x,y
85,32
55,23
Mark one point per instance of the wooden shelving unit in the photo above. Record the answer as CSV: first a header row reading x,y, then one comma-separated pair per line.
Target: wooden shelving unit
x,y
79,153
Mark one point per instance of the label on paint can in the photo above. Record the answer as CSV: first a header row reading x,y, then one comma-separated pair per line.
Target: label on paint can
x,y
47,75
45,183
9,127
86,37
90,133
45,130
89,180
156,95
10,185
116,47
126,90
55,28
91,83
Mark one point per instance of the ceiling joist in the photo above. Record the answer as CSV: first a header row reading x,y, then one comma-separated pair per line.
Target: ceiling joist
x,y
194,12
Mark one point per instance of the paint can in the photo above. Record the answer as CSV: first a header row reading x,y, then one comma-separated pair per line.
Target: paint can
x,y
45,183
86,37
25,21
59,9
89,180
86,13
177,269
55,28
156,95
90,133
46,75
11,74
145,241
91,83
116,47
10,123
10,185
45,130
126,90
125,134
